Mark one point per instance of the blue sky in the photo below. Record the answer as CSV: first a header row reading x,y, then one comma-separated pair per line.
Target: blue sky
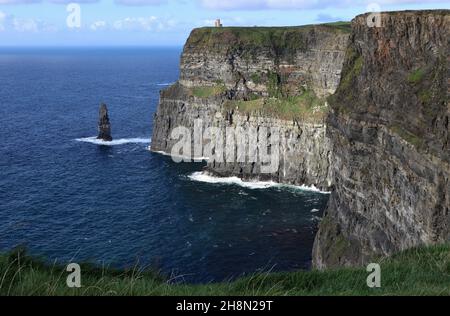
x,y
167,22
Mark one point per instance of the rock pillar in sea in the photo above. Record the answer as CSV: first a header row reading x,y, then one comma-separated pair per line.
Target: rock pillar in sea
x,y
104,127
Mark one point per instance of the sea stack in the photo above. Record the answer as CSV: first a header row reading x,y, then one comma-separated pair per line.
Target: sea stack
x,y
104,127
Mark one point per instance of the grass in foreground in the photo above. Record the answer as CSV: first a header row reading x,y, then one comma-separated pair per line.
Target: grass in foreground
x,y
423,271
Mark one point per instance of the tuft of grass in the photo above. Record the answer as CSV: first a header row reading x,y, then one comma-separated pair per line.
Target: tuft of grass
x,y
416,76
256,78
422,271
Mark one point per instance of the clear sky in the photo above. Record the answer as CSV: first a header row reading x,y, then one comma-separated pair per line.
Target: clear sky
x,y
167,22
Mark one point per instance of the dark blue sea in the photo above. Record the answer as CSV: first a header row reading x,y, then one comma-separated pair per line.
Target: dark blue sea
x,y
69,199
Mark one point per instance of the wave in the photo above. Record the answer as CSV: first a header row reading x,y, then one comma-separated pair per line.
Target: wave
x,y
115,142
254,185
166,84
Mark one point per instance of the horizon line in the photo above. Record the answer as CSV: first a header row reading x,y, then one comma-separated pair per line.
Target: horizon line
x,y
87,46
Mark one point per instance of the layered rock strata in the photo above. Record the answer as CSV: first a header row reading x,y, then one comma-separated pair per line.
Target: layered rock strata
x,y
390,135
231,77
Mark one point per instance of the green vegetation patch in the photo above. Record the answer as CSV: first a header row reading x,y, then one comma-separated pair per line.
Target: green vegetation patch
x,y
305,107
274,85
424,271
281,40
411,138
251,36
345,98
208,91
416,76
338,245
354,72
256,78
342,26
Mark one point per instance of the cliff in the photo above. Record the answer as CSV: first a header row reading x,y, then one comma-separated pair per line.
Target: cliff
x,y
381,141
262,61
255,77
389,130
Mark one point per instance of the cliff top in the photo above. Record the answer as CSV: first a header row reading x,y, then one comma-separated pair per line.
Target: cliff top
x,y
293,37
398,17
408,13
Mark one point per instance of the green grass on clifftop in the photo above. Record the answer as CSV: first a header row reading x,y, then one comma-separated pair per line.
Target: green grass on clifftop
x,y
423,271
281,39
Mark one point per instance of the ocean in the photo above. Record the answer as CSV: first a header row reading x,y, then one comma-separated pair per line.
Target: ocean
x,y
68,198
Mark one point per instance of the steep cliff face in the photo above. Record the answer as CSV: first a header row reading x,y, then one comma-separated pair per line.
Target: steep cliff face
x,y
255,60
389,129
259,77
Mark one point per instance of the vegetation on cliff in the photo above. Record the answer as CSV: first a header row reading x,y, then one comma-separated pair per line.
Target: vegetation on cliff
x,y
306,107
208,91
265,70
388,126
423,88
424,271
282,40
345,100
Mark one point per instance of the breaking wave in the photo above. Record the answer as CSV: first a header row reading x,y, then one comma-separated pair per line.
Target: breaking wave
x,y
254,185
115,142
165,84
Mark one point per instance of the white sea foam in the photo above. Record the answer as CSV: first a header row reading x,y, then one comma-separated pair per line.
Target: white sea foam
x,y
115,142
254,185
166,84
